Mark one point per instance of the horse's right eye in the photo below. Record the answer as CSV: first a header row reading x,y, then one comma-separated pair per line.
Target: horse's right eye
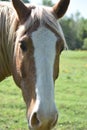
x,y
23,46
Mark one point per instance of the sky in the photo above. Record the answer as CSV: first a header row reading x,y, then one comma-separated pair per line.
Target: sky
x,y
75,6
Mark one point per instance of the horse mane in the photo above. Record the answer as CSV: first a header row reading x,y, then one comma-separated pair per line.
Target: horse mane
x,y
7,31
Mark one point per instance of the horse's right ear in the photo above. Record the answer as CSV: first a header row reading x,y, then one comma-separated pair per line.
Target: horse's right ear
x,y
60,8
21,9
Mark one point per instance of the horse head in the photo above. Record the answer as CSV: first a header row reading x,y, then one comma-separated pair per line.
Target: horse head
x,y
38,44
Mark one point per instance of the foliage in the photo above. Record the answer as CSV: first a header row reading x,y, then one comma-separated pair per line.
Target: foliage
x,y
70,96
84,47
75,30
26,1
47,2
69,32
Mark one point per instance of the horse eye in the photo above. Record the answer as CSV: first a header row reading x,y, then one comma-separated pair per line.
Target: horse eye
x,y
23,46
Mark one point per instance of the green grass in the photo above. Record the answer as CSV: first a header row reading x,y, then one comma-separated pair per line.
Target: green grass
x,y
70,96
71,91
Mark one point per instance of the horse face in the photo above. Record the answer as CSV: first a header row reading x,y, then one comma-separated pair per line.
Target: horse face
x,y
38,69
36,63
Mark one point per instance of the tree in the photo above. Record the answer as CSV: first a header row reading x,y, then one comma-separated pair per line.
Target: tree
x,y
47,2
75,30
84,47
69,29
26,1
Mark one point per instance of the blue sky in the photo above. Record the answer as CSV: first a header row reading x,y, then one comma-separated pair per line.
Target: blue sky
x,y
75,5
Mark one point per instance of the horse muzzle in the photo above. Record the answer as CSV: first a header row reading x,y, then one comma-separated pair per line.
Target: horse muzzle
x,y
42,118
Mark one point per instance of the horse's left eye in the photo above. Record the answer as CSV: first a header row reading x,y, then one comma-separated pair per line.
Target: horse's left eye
x,y
23,46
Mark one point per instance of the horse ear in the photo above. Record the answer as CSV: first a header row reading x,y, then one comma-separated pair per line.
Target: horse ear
x,y
61,7
21,9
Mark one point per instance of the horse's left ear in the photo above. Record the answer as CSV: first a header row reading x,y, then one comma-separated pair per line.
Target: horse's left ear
x,y
21,9
61,7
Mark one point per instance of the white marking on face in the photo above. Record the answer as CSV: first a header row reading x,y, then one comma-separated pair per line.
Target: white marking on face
x,y
44,42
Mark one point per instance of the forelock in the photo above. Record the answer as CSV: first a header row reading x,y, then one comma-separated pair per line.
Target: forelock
x,y
42,15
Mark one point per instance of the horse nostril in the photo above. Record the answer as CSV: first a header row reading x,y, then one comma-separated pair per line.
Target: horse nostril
x,y
34,120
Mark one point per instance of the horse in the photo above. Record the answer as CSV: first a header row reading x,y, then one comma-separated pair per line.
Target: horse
x,y
31,41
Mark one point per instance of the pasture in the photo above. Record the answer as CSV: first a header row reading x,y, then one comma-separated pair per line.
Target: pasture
x,y
70,96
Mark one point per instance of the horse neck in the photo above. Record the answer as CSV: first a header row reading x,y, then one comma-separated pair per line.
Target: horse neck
x,y
6,46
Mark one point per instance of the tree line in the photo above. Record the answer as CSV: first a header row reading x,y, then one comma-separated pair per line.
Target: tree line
x,y
74,28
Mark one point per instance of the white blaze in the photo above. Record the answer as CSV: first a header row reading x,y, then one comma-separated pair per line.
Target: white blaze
x,y
44,42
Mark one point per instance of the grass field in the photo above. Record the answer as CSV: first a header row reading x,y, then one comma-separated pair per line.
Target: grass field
x,y
70,96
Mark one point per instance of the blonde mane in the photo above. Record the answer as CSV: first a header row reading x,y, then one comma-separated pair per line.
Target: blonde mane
x,y
7,31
